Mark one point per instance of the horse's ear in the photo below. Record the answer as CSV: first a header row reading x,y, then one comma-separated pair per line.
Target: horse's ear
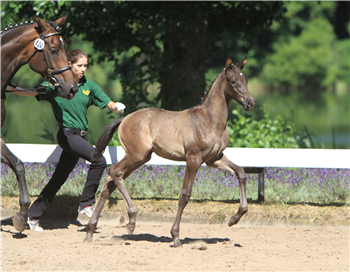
x,y
41,23
228,63
59,22
241,64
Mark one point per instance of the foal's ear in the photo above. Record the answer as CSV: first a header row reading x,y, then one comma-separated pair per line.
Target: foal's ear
x,y
241,64
60,22
41,23
228,63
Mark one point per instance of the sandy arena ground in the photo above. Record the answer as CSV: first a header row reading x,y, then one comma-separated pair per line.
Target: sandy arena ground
x,y
244,247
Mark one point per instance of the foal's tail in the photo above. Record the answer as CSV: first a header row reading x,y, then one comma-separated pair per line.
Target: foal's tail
x,y
105,138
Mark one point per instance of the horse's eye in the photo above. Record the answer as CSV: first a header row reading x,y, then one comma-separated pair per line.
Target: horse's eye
x,y
53,51
233,82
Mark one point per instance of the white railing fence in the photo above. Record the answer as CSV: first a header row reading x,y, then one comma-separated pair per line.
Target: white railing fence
x,y
254,160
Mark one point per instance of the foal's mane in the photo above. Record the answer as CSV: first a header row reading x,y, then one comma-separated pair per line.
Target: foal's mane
x,y
210,87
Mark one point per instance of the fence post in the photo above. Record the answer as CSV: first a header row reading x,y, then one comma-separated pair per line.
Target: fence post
x,y
261,186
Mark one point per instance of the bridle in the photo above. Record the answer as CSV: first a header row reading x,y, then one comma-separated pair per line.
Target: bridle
x,y
39,45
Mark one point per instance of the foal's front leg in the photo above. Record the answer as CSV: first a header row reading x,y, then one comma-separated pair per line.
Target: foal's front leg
x,y
223,163
192,165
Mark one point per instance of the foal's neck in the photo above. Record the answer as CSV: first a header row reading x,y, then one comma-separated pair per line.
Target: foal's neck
x,y
215,102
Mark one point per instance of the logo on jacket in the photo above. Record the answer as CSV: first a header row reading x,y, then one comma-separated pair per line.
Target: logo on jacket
x,y
87,92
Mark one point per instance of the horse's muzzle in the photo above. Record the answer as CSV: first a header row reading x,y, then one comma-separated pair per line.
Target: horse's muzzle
x,y
73,91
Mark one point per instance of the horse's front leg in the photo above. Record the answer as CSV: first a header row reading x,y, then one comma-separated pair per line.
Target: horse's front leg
x,y
193,162
7,157
223,163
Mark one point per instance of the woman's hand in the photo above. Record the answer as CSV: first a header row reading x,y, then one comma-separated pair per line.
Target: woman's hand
x,y
116,107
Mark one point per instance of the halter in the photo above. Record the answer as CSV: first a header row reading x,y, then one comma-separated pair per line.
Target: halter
x,y
39,45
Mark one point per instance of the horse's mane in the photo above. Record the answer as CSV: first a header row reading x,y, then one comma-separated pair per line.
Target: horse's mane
x,y
210,87
11,27
16,26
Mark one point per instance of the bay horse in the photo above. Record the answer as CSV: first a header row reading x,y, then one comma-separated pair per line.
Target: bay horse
x,y
196,135
42,47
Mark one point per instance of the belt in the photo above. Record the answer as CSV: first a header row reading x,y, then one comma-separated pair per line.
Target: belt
x,y
82,133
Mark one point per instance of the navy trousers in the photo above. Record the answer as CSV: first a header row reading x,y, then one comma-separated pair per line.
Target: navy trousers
x,y
74,147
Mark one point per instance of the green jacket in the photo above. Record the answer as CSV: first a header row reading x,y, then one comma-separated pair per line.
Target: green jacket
x,y
73,113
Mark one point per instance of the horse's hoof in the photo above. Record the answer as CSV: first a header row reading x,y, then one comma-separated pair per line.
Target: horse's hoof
x,y
19,223
130,228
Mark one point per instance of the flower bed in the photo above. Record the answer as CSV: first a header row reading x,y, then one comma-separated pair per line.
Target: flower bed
x,y
282,185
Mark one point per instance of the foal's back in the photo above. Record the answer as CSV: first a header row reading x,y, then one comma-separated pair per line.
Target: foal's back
x,y
170,134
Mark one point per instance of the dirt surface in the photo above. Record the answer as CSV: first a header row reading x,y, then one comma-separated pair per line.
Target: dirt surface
x,y
206,247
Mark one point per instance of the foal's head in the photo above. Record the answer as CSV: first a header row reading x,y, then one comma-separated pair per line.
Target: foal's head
x,y
237,84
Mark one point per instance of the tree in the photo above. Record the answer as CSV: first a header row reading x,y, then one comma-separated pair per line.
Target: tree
x,y
165,42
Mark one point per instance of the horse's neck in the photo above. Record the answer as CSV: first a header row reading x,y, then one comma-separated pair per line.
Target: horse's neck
x,y
16,51
216,103
19,41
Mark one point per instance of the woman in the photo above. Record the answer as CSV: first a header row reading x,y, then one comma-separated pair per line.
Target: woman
x,y
71,116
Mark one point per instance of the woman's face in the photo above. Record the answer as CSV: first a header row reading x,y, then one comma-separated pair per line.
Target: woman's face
x,y
79,68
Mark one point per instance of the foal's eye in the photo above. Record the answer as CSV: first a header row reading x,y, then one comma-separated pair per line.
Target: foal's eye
x,y
233,82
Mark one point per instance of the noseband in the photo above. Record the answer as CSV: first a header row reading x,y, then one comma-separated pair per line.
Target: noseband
x,y
39,45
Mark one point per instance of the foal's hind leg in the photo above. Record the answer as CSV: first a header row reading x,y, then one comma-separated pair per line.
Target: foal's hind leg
x,y
107,190
119,172
7,157
225,164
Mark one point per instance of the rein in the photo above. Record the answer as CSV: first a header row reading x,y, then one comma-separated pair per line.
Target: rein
x,y
11,89
39,45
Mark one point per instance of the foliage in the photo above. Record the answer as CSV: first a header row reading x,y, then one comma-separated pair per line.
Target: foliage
x,y
282,185
307,54
342,60
263,132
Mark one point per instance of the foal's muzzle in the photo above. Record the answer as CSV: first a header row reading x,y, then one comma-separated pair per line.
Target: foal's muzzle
x,y
249,104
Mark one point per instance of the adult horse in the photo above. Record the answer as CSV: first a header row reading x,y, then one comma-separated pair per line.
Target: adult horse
x,y
196,135
41,46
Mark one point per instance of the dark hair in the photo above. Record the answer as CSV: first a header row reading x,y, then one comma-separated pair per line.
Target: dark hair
x,y
76,54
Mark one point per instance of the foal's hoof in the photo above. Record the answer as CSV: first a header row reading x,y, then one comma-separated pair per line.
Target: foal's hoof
x,y
233,221
130,228
177,243
87,240
19,223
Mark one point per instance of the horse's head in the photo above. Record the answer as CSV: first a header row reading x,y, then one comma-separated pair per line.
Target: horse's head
x,y
237,84
52,63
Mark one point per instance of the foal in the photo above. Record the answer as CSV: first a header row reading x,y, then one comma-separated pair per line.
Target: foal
x,y
196,135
